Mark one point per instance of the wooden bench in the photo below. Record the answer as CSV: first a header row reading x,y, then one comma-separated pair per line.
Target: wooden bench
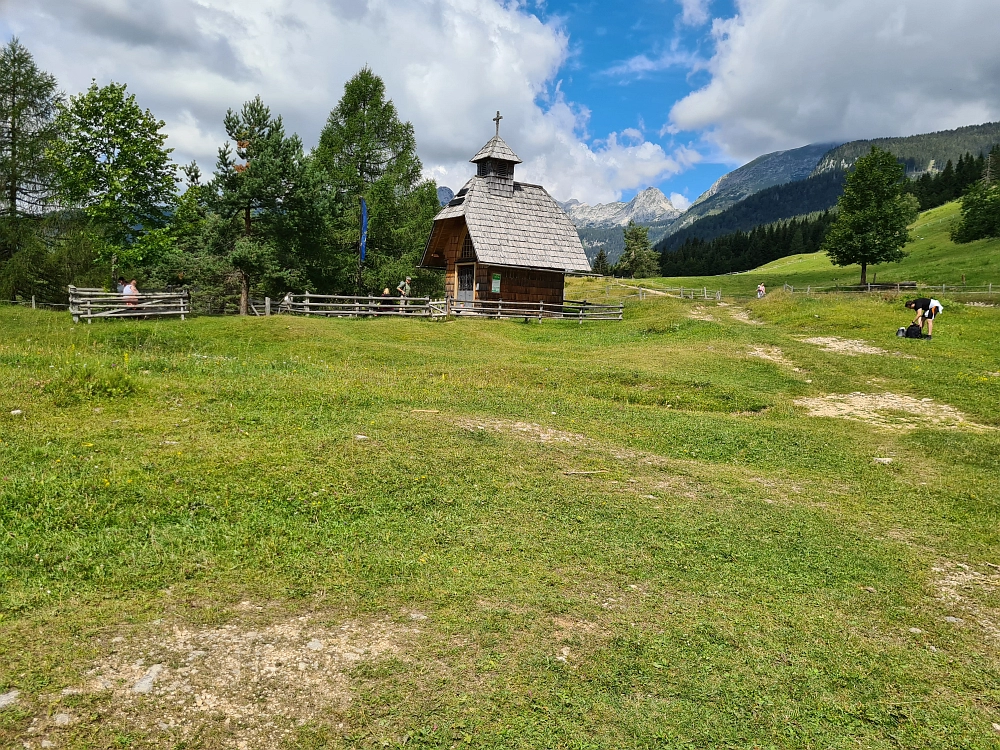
x,y
88,304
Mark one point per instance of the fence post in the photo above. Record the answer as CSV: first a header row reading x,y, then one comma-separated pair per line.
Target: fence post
x,y
541,309
89,320
682,292
581,314
808,290
704,290
267,306
499,308
718,294
33,302
307,304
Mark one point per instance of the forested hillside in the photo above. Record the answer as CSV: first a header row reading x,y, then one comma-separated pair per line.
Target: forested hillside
x,y
741,251
917,151
766,207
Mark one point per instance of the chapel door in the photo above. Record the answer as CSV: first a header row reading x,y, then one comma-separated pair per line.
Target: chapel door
x,y
467,282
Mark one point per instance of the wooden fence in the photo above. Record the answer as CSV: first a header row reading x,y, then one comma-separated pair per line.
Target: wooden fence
x,y
345,306
88,304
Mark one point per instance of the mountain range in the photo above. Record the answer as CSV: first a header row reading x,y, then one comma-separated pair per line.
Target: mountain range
x,y
648,207
773,187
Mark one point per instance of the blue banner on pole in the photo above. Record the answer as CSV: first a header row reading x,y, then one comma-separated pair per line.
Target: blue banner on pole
x,y
364,229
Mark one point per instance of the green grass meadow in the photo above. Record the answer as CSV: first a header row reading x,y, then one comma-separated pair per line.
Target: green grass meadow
x,y
731,573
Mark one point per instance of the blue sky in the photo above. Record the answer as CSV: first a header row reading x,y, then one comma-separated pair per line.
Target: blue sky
x,y
601,98
604,37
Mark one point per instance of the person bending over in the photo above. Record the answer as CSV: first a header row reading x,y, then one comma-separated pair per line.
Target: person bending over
x,y
927,309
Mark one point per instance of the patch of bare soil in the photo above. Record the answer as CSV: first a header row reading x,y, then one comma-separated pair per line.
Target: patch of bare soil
x,y
961,588
742,315
250,686
887,410
851,347
524,429
771,354
698,313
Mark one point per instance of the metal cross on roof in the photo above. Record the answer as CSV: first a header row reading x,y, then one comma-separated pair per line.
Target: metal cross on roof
x,y
497,120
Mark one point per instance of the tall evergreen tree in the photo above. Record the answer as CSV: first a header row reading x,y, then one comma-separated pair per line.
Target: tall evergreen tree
x,y
638,259
871,226
601,264
366,151
28,101
266,192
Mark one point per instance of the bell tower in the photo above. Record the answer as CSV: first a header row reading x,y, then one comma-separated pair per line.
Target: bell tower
x,y
495,162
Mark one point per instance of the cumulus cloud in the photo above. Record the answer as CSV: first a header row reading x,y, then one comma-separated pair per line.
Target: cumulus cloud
x,y
448,65
790,72
694,12
681,202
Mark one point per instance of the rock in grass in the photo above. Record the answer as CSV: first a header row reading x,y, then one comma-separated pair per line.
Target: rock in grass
x,y
883,461
954,620
315,645
145,683
9,699
62,720
16,413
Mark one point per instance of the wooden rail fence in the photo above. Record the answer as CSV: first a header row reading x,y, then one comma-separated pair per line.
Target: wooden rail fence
x,y
88,304
345,306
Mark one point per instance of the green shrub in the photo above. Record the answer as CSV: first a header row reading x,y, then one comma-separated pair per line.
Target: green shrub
x,y
79,383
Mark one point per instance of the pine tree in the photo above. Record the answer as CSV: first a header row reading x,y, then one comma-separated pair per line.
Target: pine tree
x,y
601,264
366,151
28,102
638,260
871,225
272,203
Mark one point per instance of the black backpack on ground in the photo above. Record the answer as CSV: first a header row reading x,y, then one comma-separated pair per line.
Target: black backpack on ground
x,y
913,331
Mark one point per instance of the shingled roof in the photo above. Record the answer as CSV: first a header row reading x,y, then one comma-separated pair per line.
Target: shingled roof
x,y
495,148
526,229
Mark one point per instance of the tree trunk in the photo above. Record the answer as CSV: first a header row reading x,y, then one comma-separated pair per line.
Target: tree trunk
x,y
864,274
244,293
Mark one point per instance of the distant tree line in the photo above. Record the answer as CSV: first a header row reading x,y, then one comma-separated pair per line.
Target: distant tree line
x,y
936,189
773,204
981,205
88,191
741,251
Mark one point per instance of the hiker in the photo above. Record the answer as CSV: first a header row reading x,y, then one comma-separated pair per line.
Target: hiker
x,y
386,302
121,284
927,309
131,293
761,290
404,291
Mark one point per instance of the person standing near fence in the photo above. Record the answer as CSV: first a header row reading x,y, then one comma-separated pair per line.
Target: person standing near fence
x,y
131,293
121,285
404,290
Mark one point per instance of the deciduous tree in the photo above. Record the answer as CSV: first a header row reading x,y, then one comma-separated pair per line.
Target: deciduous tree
x,y
871,226
113,165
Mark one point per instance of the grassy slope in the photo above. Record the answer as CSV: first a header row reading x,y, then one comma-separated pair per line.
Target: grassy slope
x,y
741,576
932,259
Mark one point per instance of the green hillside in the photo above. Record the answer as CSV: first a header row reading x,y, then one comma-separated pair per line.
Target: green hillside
x,y
932,259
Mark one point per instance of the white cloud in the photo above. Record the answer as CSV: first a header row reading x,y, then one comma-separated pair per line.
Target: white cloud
x,y
790,72
448,65
694,12
681,202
